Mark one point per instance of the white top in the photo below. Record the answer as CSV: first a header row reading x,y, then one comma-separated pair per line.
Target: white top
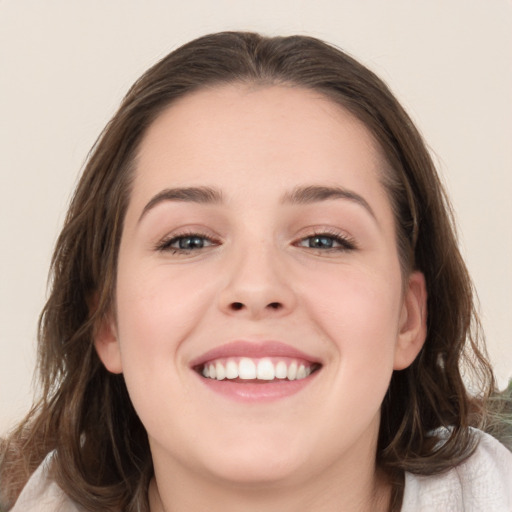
x,y
483,483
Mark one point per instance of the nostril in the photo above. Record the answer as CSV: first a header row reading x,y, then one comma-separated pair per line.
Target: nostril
x,y
274,305
237,306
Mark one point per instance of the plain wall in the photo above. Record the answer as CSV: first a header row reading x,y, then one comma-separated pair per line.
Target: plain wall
x,y
65,65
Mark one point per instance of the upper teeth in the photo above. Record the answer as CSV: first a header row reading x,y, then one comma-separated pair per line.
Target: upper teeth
x,y
261,369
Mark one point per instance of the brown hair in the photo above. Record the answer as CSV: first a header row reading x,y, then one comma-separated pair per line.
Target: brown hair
x,y
101,453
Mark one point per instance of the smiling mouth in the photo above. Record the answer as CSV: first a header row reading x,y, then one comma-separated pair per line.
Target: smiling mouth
x,y
257,370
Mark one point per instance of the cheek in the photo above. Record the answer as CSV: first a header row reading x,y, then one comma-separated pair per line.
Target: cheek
x,y
355,297
358,313
157,308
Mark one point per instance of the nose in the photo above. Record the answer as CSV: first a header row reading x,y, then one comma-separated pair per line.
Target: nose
x,y
258,285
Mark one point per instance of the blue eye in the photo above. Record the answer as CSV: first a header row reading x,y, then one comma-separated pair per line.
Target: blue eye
x,y
189,242
185,243
326,242
321,242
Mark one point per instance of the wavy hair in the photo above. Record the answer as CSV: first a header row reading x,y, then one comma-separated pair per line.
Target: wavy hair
x,y
84,415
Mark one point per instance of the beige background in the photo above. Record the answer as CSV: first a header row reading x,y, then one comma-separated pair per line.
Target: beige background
x,y
64,66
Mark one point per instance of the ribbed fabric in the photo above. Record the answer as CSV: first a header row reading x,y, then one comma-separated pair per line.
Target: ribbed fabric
x,y
483,483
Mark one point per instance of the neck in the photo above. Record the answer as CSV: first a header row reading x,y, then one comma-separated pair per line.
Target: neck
x,y
377,499
346,487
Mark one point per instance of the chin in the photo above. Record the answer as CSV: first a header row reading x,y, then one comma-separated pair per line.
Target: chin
x,y
257,473
257,460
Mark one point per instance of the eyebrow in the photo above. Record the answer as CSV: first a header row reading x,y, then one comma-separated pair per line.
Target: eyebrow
x,y
201,195
314,193
300,195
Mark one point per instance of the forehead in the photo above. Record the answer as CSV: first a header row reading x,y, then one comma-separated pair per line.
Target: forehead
x,y
271,135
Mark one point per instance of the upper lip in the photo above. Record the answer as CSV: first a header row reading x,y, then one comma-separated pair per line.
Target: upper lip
x,y
252,349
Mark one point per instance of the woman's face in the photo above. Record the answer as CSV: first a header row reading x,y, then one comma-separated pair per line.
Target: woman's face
x,y
259,249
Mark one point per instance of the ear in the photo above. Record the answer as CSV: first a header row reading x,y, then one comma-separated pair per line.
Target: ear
x,y
107,344
413,322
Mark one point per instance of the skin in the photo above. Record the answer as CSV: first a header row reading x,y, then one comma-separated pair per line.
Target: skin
x,y
259,277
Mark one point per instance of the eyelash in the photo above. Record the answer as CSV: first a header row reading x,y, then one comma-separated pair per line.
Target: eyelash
x,y
344,242
166,244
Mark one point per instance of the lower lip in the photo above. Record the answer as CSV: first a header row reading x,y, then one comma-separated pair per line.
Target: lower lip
x,y
263,391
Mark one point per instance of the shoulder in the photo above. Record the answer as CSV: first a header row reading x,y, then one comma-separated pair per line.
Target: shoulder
x,y
482,482
41,494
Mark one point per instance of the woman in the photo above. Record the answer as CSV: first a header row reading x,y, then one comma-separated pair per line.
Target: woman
x,y
258,293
